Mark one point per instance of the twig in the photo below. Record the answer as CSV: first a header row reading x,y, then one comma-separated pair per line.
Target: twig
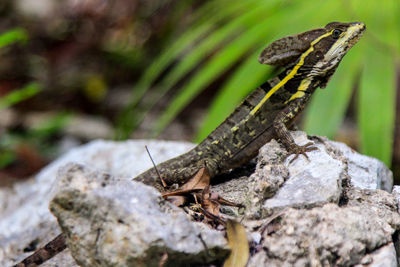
x,y
155,167
204,244
48,251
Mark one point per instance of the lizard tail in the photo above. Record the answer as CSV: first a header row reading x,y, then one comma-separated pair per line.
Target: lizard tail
x,y
45,253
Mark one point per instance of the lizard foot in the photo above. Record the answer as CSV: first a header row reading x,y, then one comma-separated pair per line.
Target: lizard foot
x,y
300,150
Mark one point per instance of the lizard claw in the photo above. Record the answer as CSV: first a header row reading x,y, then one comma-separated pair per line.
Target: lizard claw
x,y
300,150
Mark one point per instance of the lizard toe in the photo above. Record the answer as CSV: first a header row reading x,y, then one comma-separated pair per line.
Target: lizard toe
x,y
300,150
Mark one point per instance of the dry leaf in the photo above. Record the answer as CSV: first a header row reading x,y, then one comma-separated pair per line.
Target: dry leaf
x,y
208,204
237,240
179,192
211,216
177,200
216,197
199,181
163,259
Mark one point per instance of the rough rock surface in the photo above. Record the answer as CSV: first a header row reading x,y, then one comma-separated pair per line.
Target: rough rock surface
x,y
276,184
331,210
382,257
24,208
365,172
325,211
21,244
110,222
332,235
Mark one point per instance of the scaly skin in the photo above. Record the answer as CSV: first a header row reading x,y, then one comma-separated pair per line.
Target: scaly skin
x,y
310,60
231,144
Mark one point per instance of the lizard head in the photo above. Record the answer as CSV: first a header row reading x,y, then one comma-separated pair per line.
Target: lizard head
x,y
318,51
327,50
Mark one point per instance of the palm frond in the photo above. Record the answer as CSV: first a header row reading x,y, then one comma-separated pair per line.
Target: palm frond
x,y
227,35
377,105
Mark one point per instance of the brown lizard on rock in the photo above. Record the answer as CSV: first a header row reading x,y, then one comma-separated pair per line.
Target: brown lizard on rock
x,y
309,59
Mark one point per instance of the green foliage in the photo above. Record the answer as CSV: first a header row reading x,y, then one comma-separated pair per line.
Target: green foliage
x,y
13,36
6,157
372,60
19,95
248,76
226,34
377,104
51,126
7,154
203,25
38,137
8,38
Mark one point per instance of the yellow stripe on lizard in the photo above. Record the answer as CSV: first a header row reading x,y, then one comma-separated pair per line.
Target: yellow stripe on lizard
x,y
300,90
290,75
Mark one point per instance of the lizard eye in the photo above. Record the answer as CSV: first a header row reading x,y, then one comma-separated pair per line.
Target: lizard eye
x,y
336,33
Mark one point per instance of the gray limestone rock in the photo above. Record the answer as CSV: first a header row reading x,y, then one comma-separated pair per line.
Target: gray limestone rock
x,y
365,172
324,211
312,182
382,257
24,206
331,235
19,245
278,184
122,223
396,193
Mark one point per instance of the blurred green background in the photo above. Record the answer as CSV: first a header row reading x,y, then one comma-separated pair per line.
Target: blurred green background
x,y
74,71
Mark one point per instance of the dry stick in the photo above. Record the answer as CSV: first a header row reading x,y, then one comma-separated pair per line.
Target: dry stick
x,y
155,167
204,244
43,254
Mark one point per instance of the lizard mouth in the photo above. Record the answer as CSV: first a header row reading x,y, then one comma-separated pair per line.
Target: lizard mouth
x,y
356,31
347,41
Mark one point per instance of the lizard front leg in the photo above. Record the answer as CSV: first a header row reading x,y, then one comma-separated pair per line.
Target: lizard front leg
x,y
286,117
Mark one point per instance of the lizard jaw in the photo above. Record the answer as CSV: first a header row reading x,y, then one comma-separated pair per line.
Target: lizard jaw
x,y
346,41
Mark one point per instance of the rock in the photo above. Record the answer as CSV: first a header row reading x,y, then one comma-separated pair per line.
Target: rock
x,y
111,222
331,235
323,212
396,236
312,182
24,206
382,257
365,172
303,183
396,194
326,211
19,245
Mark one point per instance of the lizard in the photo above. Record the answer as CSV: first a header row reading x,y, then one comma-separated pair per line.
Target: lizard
x,y
308,60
